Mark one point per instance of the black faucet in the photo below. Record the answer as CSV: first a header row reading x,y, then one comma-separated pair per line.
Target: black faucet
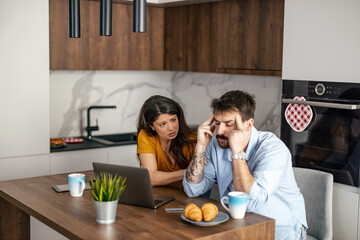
x,y
89,128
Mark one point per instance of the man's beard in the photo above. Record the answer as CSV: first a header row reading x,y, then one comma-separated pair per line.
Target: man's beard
x,y
223,144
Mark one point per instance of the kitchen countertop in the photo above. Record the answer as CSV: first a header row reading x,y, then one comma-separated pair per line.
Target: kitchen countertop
x,y
87,145
91,144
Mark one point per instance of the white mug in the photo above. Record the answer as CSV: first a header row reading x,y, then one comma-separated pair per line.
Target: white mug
x,y
237,204
76,184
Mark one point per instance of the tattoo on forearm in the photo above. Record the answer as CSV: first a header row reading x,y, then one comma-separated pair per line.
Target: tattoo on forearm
x,y
195,171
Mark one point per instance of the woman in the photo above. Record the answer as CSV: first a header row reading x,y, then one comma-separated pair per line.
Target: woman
x,y
165,142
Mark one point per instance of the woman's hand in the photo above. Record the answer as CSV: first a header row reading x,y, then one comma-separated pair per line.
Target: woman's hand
x,y
159,178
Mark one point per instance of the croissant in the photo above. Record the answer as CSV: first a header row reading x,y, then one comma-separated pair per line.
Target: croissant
x,y
193,212
209,211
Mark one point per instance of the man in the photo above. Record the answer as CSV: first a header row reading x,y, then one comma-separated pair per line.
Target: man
x,y
240,158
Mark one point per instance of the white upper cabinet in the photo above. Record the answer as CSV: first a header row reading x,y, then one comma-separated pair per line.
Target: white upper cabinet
x,y
24,81
322,40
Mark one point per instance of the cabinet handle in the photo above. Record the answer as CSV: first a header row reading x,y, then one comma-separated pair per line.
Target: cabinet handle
x,y
323,104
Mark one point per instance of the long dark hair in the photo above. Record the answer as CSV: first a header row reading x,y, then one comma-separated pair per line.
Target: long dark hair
x,y
149,113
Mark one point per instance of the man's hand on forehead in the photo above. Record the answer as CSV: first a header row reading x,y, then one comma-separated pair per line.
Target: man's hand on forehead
x,y
238,122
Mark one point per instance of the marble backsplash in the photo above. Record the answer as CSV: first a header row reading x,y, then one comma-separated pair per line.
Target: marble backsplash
x,y
72,92
194,91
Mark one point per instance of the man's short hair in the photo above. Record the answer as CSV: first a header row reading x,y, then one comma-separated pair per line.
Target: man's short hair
x,y
235,101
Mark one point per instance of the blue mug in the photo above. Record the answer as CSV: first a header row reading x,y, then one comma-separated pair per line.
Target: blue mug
x,y
76,184
237,204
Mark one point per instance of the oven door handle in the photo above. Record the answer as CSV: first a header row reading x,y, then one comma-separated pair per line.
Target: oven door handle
x,y
323,104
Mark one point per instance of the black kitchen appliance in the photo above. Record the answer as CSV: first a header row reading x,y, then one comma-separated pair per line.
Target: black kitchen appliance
x,y
330,142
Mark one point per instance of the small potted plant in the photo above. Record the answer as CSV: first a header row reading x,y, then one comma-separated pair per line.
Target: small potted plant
x,y
106,190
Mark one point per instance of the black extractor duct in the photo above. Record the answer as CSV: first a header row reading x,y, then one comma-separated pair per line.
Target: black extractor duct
x,y
105,17
139,15
74,18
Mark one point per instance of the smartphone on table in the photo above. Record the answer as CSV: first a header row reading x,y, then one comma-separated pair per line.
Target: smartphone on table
x,y
65,187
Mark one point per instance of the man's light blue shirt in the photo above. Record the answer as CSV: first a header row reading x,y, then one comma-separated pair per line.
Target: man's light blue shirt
x,y
273,194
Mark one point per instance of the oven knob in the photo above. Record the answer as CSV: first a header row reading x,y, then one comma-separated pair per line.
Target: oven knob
x,y
320,89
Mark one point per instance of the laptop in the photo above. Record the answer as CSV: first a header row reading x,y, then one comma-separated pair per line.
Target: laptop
x,y
138,191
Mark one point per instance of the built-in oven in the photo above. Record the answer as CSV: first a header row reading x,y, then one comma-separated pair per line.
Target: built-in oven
x,y
329,113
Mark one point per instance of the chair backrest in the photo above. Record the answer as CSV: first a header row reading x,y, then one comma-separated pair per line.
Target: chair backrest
x,y
317,189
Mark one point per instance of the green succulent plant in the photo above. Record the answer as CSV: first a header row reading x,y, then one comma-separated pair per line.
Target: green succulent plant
x,y
107,187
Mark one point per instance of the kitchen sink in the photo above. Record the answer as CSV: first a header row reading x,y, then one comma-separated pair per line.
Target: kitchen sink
x,y
116,139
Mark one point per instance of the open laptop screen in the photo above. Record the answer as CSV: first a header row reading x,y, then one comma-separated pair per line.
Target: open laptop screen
x,y
138,190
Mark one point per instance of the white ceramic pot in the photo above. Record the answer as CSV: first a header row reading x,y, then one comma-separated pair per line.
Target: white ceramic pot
x,y
105,211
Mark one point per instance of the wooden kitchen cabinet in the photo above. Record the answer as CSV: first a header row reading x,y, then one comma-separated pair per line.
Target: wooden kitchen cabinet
x,y
68,53
191,36
124,50
250,37
232,36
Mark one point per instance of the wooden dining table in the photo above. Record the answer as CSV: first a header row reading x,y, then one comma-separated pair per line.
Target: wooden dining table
x,y
74,217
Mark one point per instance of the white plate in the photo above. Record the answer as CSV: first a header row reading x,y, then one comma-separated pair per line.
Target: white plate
x,y
220,218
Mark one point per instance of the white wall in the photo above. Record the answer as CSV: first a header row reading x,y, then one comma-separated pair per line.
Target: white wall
x,y
322,40
24,81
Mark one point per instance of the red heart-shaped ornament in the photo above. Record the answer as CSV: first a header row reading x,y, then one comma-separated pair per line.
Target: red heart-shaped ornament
x,y
298,116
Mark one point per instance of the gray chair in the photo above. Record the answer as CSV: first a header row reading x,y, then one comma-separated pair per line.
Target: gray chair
x,y
317,189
